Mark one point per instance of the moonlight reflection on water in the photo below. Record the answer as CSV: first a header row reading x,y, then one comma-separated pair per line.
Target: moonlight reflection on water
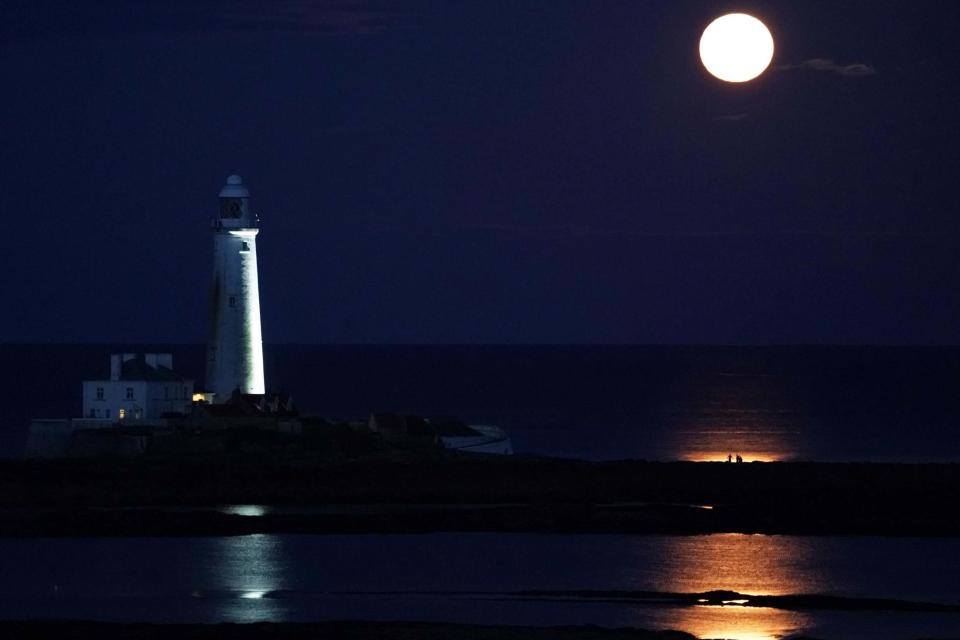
x,y
748,564
304,578
245,569
720,415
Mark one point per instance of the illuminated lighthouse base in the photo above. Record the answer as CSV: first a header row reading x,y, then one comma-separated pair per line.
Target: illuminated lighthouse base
x,y
235,350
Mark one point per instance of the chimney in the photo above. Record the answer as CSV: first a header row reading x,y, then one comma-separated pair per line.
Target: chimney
x,y
115,366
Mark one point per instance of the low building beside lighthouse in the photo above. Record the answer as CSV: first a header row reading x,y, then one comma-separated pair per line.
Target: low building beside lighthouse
x,y
141,387
142,395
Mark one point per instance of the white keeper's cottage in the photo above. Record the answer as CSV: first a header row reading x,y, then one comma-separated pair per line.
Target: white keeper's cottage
x,y
141,387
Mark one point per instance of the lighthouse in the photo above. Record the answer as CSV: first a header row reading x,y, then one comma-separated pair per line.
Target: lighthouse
x,y
235,350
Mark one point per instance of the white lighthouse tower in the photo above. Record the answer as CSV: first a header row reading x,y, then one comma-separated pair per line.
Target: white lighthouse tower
x,y
235,350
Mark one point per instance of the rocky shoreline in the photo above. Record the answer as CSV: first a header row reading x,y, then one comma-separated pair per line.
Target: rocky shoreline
x,y
332,630
458,493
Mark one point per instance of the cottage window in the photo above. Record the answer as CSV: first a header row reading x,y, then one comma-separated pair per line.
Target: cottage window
x,y
99,393
129,393
106,413
93,413
233,301
122,414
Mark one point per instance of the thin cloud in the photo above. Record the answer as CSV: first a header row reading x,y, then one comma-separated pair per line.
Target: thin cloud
x,y
594,231
584,230
855,70
204,17
355,17
732,117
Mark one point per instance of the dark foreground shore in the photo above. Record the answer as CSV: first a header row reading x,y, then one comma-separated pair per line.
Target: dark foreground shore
x,y
329,630
442,493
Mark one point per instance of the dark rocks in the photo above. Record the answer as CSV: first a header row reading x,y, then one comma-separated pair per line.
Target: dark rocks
x,y
456,493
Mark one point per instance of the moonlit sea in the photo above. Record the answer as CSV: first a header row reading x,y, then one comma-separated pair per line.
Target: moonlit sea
x,y
894,404
658,403
468,578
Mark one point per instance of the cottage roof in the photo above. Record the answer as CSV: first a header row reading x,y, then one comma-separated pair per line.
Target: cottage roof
x,y
137,369
252,404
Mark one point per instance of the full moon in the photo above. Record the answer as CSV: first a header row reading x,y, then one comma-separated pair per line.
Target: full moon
x,y
736,47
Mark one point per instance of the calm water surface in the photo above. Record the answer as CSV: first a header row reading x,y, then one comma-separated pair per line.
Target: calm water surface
x,y
424,577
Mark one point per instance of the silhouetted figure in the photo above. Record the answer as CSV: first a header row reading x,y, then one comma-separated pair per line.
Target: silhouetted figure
x,y
739,458
729,457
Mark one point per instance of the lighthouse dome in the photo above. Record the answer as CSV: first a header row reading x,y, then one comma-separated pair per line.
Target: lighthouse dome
x,y
234,188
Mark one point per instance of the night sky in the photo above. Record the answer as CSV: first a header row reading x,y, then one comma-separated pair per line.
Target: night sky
x,y
482,172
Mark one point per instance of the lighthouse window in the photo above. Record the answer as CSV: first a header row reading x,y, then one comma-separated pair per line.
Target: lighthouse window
x,y
230,208
246,247
233,301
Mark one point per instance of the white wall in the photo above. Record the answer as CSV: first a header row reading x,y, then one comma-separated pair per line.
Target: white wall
x,y
235,350
150,399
